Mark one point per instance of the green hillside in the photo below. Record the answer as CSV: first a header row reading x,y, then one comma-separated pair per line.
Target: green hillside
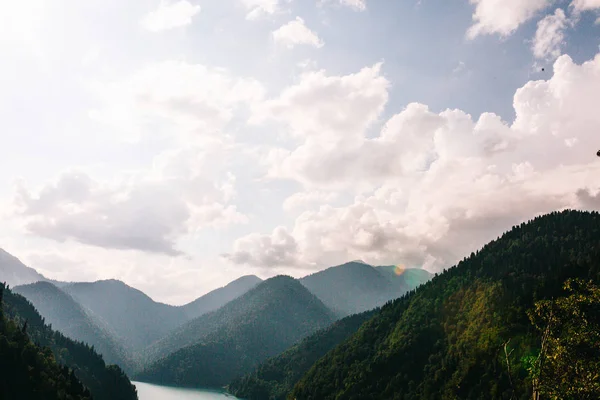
x,y
275,378
68,317
234,339
446,340
105,382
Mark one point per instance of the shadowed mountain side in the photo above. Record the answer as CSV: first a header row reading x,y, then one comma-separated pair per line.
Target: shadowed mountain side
x,y
105,382
71,319
276,377
213,349
134,317
355,287
219,297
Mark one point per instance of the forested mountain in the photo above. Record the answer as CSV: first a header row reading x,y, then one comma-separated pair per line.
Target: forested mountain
x,y
232,340
68,317
219,297
275,378
355,287
30,372
451,338
404,279
104,382
136,318
13,272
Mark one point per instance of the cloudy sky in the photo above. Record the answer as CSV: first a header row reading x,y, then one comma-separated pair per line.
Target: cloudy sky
x,y
179,144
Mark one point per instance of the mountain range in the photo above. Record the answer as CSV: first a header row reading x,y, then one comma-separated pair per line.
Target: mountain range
x,y
517,319
215,348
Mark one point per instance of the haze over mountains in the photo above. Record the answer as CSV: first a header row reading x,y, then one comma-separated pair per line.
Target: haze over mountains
x,y
70,318
284,337
131,329
219,346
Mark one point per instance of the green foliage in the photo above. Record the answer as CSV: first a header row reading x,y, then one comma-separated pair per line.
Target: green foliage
x,y
69,317
568,366
275,378
234,339
446,340
104,382
28,371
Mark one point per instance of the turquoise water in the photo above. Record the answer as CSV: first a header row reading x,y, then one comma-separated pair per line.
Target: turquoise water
x,y
147,391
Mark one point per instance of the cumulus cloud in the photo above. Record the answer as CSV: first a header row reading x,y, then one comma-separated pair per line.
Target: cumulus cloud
x,y
444,184
147,211
584,5
303,199
550,35
503,17
356,5
296,33
256,8
196,99
170,15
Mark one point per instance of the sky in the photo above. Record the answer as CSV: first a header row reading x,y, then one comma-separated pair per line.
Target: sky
x,y
179,144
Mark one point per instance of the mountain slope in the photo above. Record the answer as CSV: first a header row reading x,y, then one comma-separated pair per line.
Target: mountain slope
x,y
445,340
355,287
219,297
67,316
28,371
232,340
136,318
276,377
14,272
104,382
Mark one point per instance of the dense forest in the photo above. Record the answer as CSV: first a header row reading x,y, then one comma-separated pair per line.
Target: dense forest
x,y
234,339
67,316
275,378
504,323
30,372
77,360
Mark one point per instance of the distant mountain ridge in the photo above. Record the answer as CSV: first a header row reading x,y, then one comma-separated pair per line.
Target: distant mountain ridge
x,y
68,317
221,296
15,273
214,348
136,318
356,287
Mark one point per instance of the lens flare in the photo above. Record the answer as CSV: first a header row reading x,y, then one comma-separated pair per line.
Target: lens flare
x,y
399,270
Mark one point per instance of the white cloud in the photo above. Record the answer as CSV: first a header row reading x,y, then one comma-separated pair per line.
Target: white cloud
x,y
444,184
550,35
503,16
147,211
356,5
303,199
296,33
170,15
195,99
257,8
584,5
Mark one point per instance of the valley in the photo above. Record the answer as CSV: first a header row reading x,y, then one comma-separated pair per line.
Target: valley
x,y
350,331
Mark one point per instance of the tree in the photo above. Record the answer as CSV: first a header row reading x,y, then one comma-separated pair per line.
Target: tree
x,y
568,364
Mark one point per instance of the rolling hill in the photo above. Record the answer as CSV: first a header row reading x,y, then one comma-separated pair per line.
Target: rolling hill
x,y
68,317
136,319
213,349
219,297
448,338
274,378
355,287
105,382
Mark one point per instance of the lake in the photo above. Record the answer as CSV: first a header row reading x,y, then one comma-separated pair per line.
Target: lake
x,y
147,391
